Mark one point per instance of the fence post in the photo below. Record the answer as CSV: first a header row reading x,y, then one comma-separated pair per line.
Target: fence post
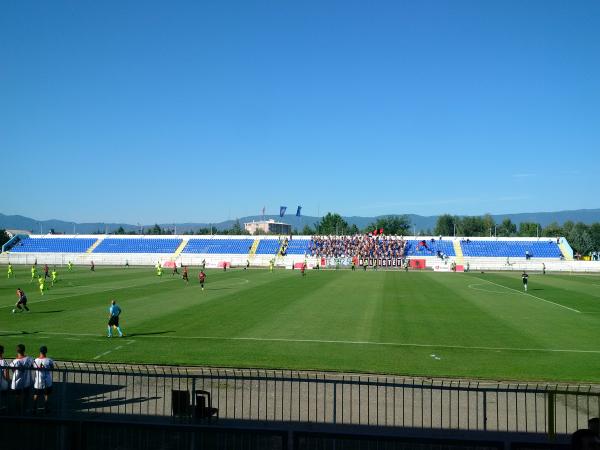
x,y
551,418
193,397
63,400
334,402
484,410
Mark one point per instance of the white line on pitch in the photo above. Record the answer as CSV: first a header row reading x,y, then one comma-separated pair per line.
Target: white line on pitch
x,y
530,295
325,341
102,354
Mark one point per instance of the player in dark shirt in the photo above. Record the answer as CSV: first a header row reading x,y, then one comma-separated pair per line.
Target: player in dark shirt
x,y
202,278
185,274
22,302
524,277
46,274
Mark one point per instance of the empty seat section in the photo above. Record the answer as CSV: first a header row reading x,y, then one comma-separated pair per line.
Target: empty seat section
x,y
298,247
517,249
53,245
216,246
268,247
138,245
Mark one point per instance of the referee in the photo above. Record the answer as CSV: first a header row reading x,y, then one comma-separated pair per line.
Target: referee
x,y
114,311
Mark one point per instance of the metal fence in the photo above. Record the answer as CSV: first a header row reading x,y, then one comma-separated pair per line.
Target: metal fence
x,y
174,394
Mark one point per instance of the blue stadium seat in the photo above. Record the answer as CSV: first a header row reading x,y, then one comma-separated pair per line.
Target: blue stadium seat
x,y
412,248
53,245
516,249
267,247
214,246
138,245
298,247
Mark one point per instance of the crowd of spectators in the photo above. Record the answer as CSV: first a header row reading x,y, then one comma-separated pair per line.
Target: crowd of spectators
x,y
362,246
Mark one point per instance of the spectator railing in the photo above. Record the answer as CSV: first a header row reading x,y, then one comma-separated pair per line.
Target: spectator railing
x,y
167,394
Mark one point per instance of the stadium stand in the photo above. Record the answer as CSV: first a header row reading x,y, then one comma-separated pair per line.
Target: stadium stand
x,y
219,246
431,248
137,245
53,245
298,247
506,248
267,247
475,253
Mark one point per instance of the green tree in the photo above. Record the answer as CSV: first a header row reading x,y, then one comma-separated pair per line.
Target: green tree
x,y
529,229
391,225
444,225
236,228
120,230
488,223
506,228
307,230
594,231
553,230
472,226
331,223
156,229
353,229
4,237
580,239
567,227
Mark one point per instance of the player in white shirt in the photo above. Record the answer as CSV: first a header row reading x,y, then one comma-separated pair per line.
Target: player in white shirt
x,y
21,377
4,381
42,378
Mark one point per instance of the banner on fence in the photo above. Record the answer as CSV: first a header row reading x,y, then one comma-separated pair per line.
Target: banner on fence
x,y
417,263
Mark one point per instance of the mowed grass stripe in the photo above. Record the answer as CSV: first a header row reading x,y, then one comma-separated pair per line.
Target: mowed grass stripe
x,y
385,322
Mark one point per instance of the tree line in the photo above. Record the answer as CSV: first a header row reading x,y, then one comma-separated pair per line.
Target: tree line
x,y
582,237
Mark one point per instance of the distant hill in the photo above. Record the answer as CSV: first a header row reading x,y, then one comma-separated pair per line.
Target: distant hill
x,y
421,223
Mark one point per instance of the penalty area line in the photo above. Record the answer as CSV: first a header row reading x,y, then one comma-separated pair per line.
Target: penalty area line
x,y
531,295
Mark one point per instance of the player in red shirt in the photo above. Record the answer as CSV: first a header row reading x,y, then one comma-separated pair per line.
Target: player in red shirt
x,y
202,278
185,274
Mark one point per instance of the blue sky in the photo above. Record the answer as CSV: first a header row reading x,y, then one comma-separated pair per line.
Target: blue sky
x,y
202,111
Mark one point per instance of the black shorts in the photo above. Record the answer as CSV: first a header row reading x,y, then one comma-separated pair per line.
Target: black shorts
x,y
22,301
113,321
43,391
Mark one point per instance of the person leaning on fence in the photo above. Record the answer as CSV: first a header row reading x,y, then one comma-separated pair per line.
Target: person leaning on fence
x,y
42,382
4,380
21,378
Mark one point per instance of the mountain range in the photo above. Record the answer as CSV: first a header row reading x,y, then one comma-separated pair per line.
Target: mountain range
x,y
420,223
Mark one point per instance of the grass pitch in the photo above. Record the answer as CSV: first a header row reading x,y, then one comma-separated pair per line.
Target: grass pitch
x,y
431,324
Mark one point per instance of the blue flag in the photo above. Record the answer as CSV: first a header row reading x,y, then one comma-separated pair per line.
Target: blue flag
x,y
298,211
282,210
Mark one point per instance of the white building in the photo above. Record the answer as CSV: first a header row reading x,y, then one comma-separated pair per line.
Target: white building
x,y
268,227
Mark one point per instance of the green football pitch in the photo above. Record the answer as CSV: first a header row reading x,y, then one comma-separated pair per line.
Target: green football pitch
x,y
430,324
